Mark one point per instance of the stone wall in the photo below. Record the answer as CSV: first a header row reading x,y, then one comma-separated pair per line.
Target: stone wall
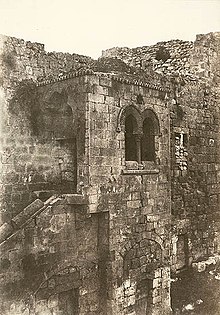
x,y
51,265
66,135
42,159
195,162
194,110
30,151
136,196
26,60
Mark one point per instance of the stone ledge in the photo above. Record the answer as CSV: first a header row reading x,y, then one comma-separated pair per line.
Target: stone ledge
x,y
75,199
140,172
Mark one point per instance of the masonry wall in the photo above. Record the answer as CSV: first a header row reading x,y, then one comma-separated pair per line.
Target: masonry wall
x,y
26,60
67,136
43,160
195,183
30,152
138,200
195,166
51,265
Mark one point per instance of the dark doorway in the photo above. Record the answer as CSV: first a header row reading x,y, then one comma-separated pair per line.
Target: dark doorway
x,y
182,252
143,302
69,302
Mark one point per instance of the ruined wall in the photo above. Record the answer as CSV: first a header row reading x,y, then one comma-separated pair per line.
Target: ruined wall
x,y
40,153
67,135
195,158
29,148
51,265
195,183
193,69
170,58
26,60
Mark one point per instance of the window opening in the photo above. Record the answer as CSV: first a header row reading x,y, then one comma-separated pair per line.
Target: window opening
x,y
148,141
181,154
130,139
140,99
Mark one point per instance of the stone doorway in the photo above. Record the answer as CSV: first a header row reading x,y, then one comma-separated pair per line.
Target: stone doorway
x,y
69,302
143,299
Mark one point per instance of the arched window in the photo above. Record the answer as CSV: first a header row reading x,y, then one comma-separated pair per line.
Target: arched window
x,y
130,138
140,131
148,141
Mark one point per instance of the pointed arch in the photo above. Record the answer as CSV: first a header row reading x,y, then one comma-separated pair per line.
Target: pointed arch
x,y
151,116
126,111
150,129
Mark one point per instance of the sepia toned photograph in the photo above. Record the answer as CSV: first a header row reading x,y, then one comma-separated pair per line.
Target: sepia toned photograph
x,y
110,157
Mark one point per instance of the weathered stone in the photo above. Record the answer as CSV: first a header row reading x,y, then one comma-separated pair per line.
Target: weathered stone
x,y
105,241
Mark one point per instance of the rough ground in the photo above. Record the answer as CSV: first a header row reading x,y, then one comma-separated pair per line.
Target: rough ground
x,y
197,293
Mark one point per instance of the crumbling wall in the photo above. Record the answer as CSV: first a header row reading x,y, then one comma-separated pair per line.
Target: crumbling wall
x,y
195,187
170,58
42,159
26,60
51,265
194,110
29,148
195,157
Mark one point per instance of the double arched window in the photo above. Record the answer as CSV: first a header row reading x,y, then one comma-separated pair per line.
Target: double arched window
x,y
140,131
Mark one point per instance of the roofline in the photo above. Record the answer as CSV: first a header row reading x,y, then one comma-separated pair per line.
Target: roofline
x,y
115,77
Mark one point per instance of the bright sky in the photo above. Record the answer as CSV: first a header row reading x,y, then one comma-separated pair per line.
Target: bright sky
x,y
90,26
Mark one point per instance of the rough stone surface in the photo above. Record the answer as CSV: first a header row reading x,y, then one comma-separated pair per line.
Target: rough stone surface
x,y
108,244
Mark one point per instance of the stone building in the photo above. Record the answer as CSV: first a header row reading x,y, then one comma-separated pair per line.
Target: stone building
x,y
110,175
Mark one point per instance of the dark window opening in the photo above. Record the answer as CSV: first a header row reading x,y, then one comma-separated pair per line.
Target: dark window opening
x,y
69,302
148,141
140,99
162,54
185,139
144,301
130,139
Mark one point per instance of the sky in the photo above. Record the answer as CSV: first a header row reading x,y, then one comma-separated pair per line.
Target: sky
x,y
89,26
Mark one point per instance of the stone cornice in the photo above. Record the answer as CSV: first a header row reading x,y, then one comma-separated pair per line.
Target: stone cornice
x,y
117,77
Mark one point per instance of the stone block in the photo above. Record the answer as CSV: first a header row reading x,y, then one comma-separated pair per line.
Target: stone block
x,y
157,282
157,299
53,301
110,101
5,231
96,98
97,89
75,199
131,300
104,81
133,204
158,273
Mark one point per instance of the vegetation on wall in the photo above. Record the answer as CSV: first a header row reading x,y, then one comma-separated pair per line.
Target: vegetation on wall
x,y
8,59
25,102
162,54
